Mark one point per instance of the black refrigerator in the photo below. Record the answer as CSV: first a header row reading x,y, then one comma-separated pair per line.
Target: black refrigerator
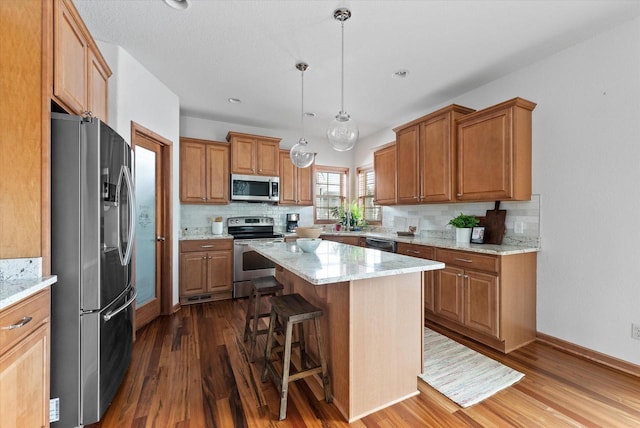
x,y
92,234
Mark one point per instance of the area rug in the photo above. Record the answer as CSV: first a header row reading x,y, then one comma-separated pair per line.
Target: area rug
x,y
462,374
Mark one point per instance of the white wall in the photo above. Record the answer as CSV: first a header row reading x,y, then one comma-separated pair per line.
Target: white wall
x,y
137,95
586,169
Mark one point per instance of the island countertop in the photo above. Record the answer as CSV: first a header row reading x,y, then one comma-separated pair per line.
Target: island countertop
x,y
335,262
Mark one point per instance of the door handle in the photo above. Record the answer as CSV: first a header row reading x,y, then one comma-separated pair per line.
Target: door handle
x,y
160,238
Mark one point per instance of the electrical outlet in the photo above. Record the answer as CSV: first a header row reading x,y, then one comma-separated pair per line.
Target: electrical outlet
x,y
635,331
518,227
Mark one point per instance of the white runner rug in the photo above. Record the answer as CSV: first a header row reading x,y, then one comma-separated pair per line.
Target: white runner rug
x,y
462,374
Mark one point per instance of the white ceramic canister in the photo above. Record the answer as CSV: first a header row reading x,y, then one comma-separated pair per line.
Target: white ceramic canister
x,y
216,227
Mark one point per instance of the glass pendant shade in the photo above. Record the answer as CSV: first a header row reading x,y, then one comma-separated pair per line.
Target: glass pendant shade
x,y
300,154
343,132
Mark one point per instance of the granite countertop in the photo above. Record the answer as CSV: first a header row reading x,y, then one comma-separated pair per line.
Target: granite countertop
x,y
335,262
14,290
205,236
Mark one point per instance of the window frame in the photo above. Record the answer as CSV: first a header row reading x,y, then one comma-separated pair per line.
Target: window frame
x,y
363,171
344,185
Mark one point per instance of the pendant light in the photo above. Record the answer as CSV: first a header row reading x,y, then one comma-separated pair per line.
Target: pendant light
x,y
299,153
343,131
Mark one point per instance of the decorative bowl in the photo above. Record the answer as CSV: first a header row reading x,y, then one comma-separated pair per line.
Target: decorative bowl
x,y
309,232
308,245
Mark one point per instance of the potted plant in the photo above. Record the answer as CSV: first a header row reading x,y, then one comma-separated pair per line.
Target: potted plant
x,y
349,215
463,224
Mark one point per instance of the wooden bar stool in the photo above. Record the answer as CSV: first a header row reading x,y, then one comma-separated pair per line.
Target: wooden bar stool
x,y
265,286
293,309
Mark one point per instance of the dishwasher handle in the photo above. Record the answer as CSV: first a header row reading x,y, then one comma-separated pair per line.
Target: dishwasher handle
x,y
380,244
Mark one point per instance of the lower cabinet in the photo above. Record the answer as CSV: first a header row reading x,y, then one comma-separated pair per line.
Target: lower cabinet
x,y
423,252
24,362
206,270
358,241
489,298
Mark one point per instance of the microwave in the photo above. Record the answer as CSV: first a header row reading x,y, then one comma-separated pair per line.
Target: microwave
x,y
255,188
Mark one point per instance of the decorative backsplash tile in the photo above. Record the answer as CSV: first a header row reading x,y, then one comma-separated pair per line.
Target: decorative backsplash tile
x,y
12,269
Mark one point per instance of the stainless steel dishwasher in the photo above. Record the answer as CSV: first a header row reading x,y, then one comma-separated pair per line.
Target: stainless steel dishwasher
x,y
380,244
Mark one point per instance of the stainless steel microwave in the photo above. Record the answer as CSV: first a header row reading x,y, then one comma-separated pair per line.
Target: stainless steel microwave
x,y
255,188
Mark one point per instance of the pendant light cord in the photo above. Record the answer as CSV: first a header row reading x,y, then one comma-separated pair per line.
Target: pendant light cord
x,y
342,71
302,104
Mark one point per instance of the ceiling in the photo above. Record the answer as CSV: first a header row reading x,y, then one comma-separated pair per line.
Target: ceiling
x,y
247,49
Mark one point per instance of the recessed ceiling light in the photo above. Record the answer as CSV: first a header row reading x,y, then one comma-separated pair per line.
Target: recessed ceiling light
x,y
400,74
235,100
309,114
179,4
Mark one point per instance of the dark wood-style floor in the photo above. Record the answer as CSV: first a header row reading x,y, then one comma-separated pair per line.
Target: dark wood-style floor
x,y
191,370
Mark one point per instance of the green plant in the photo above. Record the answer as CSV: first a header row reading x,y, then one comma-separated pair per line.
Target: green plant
x,y
355,211
464,220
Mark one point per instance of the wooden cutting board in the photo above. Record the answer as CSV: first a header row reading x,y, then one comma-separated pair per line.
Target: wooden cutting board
x,y
494,228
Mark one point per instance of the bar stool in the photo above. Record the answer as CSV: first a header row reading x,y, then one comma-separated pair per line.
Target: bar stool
x,y
293,309
265,286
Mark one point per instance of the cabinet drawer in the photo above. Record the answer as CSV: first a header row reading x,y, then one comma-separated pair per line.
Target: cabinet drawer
x,y
414,250
464,259
35,307
206,245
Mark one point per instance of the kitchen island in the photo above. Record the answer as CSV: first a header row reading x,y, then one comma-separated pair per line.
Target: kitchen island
x,y
372,322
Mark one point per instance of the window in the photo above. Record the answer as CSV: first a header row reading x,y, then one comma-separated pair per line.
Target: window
x,y
366,190
330,191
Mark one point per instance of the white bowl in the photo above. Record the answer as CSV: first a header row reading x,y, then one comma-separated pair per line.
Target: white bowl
x,y
308,245
309,232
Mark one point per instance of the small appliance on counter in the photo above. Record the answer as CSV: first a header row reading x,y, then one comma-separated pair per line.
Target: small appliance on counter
x,y
292,221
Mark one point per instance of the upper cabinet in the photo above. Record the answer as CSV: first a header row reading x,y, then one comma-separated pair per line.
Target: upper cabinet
x,y
425,156
204,171
296,184
384,167
494,153
254,154
80,73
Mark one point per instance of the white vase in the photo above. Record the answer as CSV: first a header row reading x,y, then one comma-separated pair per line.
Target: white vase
x,y
463,235
216,228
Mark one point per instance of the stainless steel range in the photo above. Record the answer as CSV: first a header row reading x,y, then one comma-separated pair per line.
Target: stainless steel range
x,y
247,263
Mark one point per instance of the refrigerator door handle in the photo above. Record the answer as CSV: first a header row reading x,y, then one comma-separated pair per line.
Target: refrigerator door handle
x,y
128,303
126,257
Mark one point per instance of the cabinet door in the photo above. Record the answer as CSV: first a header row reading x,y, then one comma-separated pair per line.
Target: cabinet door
x,y
349,240
193,182
408,170
448,293
243,155
481,301
217,175
70,60
384,167
305,185
288,182
193,273
267,156
436,159
220,269
97,88
24,382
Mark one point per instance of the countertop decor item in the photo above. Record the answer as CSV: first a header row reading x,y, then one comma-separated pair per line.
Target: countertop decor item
x,y
342,132
463,224
308,245
309,232
494,225
299,153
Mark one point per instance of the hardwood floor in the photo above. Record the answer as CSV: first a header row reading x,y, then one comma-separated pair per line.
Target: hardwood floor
x,y
191,370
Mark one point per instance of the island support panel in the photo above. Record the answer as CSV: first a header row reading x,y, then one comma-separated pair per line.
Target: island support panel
x,y
373,335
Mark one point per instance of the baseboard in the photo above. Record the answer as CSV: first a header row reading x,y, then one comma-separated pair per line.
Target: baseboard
x,y
176,308
614,363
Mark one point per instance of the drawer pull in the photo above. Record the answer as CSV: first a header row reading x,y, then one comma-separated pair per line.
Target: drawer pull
x,y
463,260
22,323
207,246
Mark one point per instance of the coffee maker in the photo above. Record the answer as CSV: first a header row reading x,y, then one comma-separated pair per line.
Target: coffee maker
x,y
292,221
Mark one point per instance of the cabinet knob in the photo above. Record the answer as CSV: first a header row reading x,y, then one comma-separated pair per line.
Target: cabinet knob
x,y
466,276
458,194
204,199
459,275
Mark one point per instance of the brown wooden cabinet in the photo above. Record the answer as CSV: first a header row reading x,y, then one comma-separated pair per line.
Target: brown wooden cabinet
x,y
489,298
206,270
425,156
422,252
254,154
384,167
494,153
296,184
80,73
24,362
204,171
358,241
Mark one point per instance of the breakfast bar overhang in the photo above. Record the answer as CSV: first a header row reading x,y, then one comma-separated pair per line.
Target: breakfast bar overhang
x,y
373,318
